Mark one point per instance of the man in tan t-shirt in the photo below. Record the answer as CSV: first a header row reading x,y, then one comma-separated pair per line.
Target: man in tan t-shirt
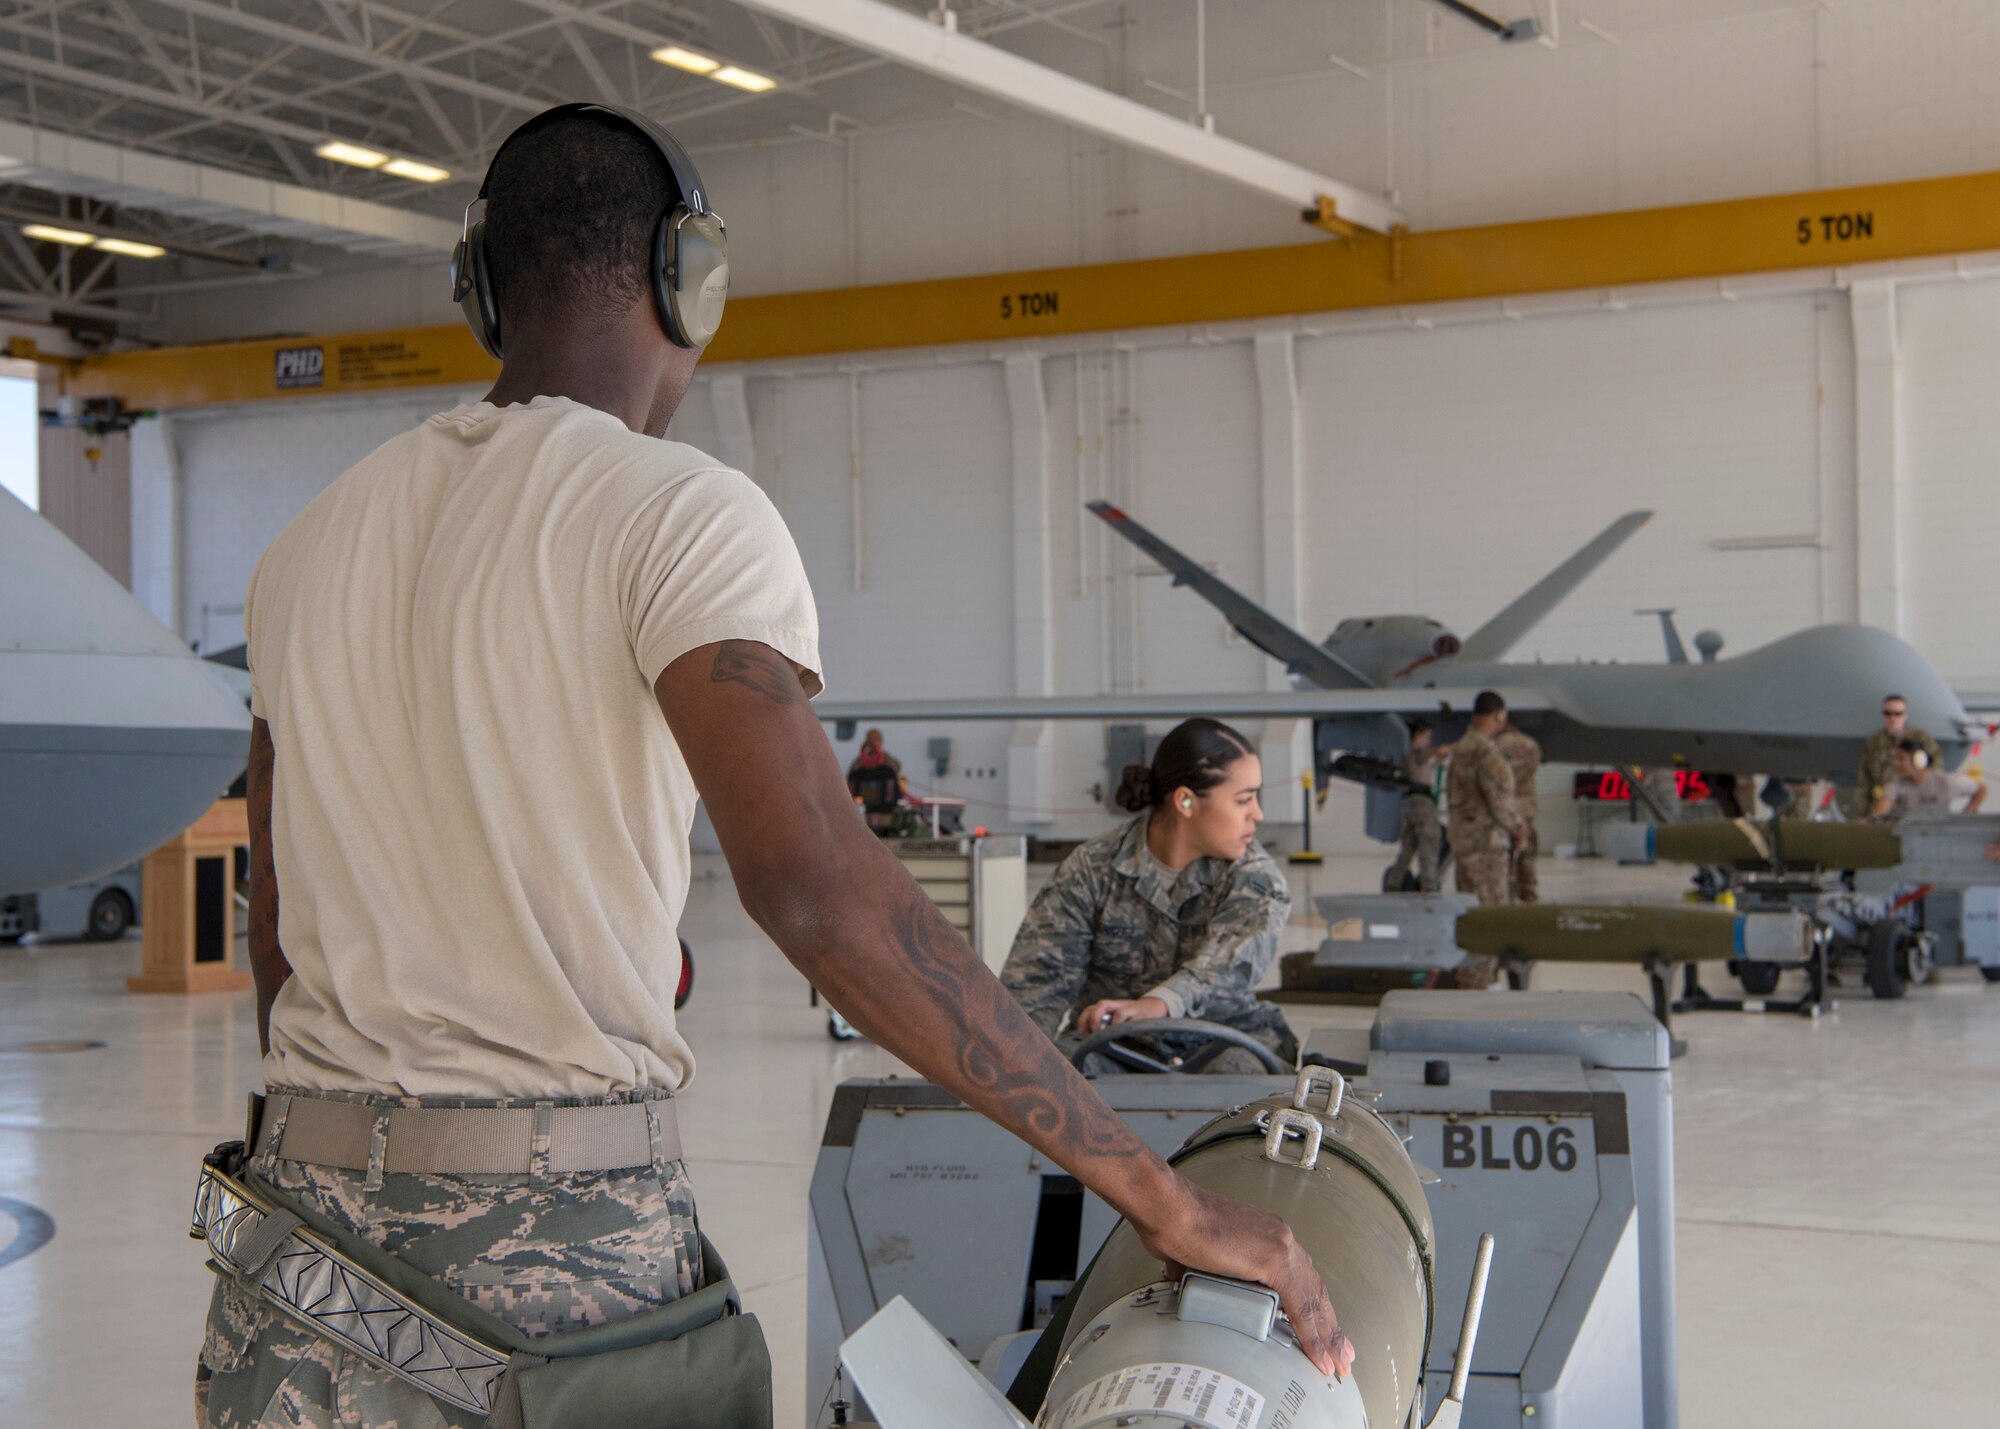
x,y
493,665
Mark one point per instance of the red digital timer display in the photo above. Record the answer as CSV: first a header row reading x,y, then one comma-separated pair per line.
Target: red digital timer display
x,y
1610,786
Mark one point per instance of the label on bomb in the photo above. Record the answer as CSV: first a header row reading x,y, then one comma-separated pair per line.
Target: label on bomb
x,y
1200,1398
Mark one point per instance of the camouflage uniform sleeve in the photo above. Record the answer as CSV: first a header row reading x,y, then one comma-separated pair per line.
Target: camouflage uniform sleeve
x,y
1923,737
1050,958
1241,943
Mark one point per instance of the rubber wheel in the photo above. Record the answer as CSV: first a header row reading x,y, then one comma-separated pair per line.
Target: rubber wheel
x,y
1885,958
1758,979
1990,974
110,917
685,989
1916,959
1518,975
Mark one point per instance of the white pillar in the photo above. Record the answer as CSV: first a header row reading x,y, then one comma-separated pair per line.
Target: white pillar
x,y
156,520
1031,748
1286,748
1878,565
733,440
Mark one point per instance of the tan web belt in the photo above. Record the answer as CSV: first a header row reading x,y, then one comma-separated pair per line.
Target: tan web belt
x,y
466,1141
310,1281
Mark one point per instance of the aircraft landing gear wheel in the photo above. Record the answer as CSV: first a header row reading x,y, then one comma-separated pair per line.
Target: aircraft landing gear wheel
x,y
1112,1043
1885,958
1518,975
110,917
1990,974
1917,961
839,1028
1758,979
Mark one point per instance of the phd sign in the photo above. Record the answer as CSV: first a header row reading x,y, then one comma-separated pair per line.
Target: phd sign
x,y
301,367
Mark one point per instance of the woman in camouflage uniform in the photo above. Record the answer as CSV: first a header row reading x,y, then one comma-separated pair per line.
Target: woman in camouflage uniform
x,y
1173,914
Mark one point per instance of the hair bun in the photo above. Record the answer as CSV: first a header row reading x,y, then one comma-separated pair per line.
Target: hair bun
x,y
1135,789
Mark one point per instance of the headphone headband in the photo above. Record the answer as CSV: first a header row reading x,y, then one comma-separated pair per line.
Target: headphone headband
x,y
687,178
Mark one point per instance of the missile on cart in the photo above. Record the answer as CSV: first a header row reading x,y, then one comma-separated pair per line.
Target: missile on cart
x,y
1613,933
1741,843
1335,1172
1135,1348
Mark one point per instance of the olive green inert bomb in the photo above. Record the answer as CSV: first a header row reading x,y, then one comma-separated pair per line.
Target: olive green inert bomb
x,y
1348,1190
1741,843
1592,933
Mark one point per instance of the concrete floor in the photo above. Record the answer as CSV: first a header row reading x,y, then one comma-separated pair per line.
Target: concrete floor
x,y
1837,1265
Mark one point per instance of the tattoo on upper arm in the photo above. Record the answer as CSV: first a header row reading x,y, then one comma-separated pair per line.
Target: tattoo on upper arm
x,y
757,667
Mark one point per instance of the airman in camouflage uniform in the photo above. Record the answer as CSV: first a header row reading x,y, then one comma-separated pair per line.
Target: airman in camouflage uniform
x,y
1423,829
1479,790
1524,761
1878,765
1114,922
545,1253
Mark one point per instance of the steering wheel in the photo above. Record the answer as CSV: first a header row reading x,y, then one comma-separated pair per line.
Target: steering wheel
x,y
1110,1042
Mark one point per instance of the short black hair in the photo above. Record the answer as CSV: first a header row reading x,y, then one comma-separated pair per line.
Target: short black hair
x,y
1420,725
1898,698
1488,702
571,207
1912,747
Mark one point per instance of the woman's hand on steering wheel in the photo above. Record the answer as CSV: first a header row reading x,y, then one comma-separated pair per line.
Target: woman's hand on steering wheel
x,y
1110,1011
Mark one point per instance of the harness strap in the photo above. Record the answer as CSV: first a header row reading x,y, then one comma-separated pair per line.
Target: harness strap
x,y
313,1284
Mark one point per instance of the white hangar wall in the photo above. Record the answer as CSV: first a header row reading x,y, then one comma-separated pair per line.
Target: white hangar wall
x,y
1949,354
1439,469
1690,103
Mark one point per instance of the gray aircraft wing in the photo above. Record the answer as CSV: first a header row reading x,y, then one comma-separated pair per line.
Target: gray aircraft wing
x,y
1298,654
1304,704
1504,631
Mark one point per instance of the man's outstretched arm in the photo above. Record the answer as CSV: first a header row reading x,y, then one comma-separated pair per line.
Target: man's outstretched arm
x,y
267,959
848,916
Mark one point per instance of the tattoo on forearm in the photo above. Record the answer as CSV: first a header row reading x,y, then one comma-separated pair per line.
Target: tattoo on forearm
x,y
998,1050
757,667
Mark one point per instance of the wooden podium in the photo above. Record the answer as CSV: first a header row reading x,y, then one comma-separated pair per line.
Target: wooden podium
x,y
188,918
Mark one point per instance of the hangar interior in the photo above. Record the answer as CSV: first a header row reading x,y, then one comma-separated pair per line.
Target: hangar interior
x,y
1732,262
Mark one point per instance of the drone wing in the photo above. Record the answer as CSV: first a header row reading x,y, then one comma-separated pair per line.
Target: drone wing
x,y
1299,655
1303,704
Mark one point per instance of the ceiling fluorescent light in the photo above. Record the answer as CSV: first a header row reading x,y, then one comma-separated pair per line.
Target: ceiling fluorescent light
x,y
686,59
130,249
418,172
48,234
354,154
743,79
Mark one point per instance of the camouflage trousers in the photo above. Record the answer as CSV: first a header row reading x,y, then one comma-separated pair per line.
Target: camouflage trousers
x,y
1524,884
1485,867
545,1253
1423,842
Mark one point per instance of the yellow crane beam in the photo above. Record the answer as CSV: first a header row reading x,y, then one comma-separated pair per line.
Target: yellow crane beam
x,y
1834,227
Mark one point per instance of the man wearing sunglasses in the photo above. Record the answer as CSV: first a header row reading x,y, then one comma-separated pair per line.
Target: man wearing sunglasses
x,y
1878,756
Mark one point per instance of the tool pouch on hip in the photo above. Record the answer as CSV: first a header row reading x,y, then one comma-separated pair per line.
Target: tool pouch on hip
x,y
698,1360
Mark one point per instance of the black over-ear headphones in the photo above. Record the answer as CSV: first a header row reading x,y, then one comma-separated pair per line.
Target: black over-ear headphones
x,y
690,263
